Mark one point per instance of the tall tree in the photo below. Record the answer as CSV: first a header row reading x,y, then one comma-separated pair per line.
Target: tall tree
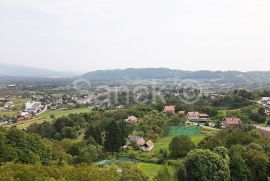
x,y
113,138
204,165
95,133
180,146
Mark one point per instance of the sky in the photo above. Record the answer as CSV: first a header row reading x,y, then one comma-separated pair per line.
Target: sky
x,y
86,35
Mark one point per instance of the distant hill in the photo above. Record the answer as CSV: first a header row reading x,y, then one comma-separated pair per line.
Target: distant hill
x,y
147,73
8,70
164,73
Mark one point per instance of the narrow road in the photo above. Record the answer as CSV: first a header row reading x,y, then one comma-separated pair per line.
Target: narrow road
x,y
44,110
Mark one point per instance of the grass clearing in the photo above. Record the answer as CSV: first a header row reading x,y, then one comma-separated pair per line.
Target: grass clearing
x,y
20,103
25,124
151,169
163,143
47,116
60,113
7,113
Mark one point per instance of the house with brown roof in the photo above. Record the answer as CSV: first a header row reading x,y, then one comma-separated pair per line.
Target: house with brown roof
x,y
231,122
169,109
203,116
148,146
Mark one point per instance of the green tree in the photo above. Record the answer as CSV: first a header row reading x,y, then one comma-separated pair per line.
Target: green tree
x,y
257,162
238,168
223,152
204,165
164,174
114,137
180,146
95,133
89,154
132,173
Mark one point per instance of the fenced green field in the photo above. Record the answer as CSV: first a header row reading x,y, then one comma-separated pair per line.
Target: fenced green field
x,y
188,131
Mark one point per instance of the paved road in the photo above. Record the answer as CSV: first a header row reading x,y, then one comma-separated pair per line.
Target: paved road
x,y
44,110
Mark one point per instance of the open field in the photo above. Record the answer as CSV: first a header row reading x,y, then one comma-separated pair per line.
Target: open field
x,y
163,143
60,113
25,124
151,169
7,113
19,106
19,103
46,116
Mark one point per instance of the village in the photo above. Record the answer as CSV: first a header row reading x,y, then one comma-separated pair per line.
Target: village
x,y
141,130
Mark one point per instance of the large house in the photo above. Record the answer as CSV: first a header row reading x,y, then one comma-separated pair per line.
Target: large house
x,y
169,109
148,146
231,122
197,117
193,115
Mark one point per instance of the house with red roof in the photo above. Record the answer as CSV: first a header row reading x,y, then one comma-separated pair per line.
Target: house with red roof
x,y
169,109
231,122
132,119
193,115
197,117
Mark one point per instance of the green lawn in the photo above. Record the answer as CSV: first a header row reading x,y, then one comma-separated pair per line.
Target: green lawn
x,y
163,143
46,116
20,103
27,123
60,113
7,113
151,169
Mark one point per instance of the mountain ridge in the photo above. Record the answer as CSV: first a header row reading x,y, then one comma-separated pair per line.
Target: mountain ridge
x,y
10,70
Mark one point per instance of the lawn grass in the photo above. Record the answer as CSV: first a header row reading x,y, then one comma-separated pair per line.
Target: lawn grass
x,y
151,169
60,113
25,124
20,103
163,143
47,116
7,113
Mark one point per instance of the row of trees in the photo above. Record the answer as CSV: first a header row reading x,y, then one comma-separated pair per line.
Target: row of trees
x,y
22,172
19,147
238,154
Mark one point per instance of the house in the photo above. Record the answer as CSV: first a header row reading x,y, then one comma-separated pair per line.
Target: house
x,y
265,131
169,109
231,122
24,116
203,116
120,107
148,146
33,107
182,112
138,139
193,115
265,100
132,119
9,105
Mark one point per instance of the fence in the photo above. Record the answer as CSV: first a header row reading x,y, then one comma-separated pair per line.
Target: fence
x,y
188,131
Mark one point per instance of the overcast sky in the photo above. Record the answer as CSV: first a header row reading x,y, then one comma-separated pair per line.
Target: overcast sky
x,y
82,35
